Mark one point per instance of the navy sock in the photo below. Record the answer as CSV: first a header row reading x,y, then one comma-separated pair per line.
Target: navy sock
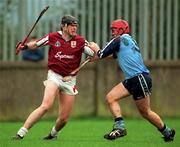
x,y
162,129
119,123
166,131
118,119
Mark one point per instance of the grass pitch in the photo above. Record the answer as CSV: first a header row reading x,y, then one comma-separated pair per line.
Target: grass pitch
x,y
89,133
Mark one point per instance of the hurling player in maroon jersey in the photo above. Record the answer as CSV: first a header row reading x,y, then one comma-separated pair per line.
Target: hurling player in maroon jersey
x,y
65,52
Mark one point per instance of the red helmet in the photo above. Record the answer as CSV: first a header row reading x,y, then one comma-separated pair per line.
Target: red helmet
x,y
121,24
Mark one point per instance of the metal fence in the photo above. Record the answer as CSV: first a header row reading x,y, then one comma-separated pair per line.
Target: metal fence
x,y
154,23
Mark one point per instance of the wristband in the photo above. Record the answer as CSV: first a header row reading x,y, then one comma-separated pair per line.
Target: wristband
x,y
99,54
25,47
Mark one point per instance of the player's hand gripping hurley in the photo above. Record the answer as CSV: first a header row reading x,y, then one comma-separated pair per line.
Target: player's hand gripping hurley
x,y
21,45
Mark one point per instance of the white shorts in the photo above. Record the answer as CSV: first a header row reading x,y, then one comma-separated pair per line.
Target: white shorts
x,y
67,87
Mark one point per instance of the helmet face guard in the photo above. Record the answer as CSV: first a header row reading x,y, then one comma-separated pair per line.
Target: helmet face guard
x,y
68,20
121,24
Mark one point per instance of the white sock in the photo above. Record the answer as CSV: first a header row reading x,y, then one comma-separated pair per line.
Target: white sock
x,y
22,132
54,132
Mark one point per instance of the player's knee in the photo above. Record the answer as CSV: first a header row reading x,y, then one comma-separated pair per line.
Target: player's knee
x,y
45,108
109,99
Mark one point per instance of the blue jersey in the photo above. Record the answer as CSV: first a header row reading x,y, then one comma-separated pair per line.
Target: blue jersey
x,y
128,55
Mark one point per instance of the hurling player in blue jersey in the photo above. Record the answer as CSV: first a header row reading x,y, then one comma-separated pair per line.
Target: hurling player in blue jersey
x,y
137,81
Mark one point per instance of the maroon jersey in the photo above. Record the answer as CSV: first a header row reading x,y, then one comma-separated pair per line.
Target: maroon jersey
x,y
63,56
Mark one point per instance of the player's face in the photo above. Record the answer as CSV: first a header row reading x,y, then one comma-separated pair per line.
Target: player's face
x,y
115,32
72,29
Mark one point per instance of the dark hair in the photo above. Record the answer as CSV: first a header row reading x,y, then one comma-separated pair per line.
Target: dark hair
x,y
68,19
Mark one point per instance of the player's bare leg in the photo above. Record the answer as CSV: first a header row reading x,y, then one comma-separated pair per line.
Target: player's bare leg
x,y
112,98
48,100
66,103
143,106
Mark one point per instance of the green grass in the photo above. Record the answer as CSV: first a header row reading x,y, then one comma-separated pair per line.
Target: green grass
x,y
89,133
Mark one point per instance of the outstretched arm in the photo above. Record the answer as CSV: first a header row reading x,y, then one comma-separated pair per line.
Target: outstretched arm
x,y
109,49
33,44
30,45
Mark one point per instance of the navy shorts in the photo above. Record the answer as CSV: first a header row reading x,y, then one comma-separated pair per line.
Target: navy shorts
x,y
139,86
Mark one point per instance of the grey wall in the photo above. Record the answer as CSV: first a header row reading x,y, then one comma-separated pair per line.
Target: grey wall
x,y
21,89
